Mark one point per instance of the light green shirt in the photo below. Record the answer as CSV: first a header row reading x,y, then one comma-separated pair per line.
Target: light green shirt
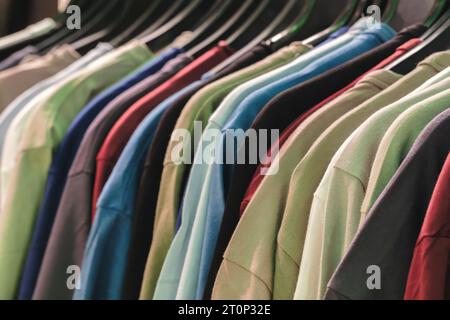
x,y
399,139
42,133
338,210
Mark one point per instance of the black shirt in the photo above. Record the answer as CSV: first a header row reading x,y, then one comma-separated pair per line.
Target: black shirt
x,y
389,234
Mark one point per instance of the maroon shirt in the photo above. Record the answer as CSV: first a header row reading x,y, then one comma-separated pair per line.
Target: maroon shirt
x,y
429,274
130,120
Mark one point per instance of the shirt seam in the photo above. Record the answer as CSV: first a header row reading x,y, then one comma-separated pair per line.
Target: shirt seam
x,y
428,237
250,272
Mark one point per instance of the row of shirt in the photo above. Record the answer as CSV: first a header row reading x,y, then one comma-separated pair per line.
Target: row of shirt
x,y
357,178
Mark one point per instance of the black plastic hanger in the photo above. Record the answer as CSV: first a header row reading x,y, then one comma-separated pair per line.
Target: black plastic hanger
x,y
438,41
127,14
261,22
245,38
344,13
294,27
166,11
318,20
221,10
225,30
90,19
148,8
164,35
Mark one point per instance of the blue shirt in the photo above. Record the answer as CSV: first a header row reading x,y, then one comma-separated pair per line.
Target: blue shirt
x,y
202,244
339,32
62,162
104,261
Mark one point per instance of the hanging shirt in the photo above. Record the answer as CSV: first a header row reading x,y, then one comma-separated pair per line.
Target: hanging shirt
x,y
335,35
249,88
147,194
21,108
388,237
15,81
232,101
121,132
390,154
63,160
337,213
199,109
73,219
293,219
212,202
124,182
270,197
14,59
267,116
42,134
312,281
428,277
282,110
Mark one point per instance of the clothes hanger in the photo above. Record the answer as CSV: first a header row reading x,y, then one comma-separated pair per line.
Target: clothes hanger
x,y
436,25
90,21
345,14
105,19
127,13
282,38
437,41
438,10
245,38
316,15
261,23
402,13
147,13
220,11
164,35
229,26
166,11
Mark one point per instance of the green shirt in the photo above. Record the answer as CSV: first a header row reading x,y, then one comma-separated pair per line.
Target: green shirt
x,y
199,108
335,212
41,135
248,269
399,139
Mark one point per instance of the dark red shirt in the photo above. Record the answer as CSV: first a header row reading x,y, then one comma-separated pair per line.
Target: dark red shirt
x,y
429,274
130,120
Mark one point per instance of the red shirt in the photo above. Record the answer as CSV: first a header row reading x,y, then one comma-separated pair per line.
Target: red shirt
x,y
258,177
429,274
130,120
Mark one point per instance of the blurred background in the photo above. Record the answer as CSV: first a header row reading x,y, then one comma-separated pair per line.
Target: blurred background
x,y
17,14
